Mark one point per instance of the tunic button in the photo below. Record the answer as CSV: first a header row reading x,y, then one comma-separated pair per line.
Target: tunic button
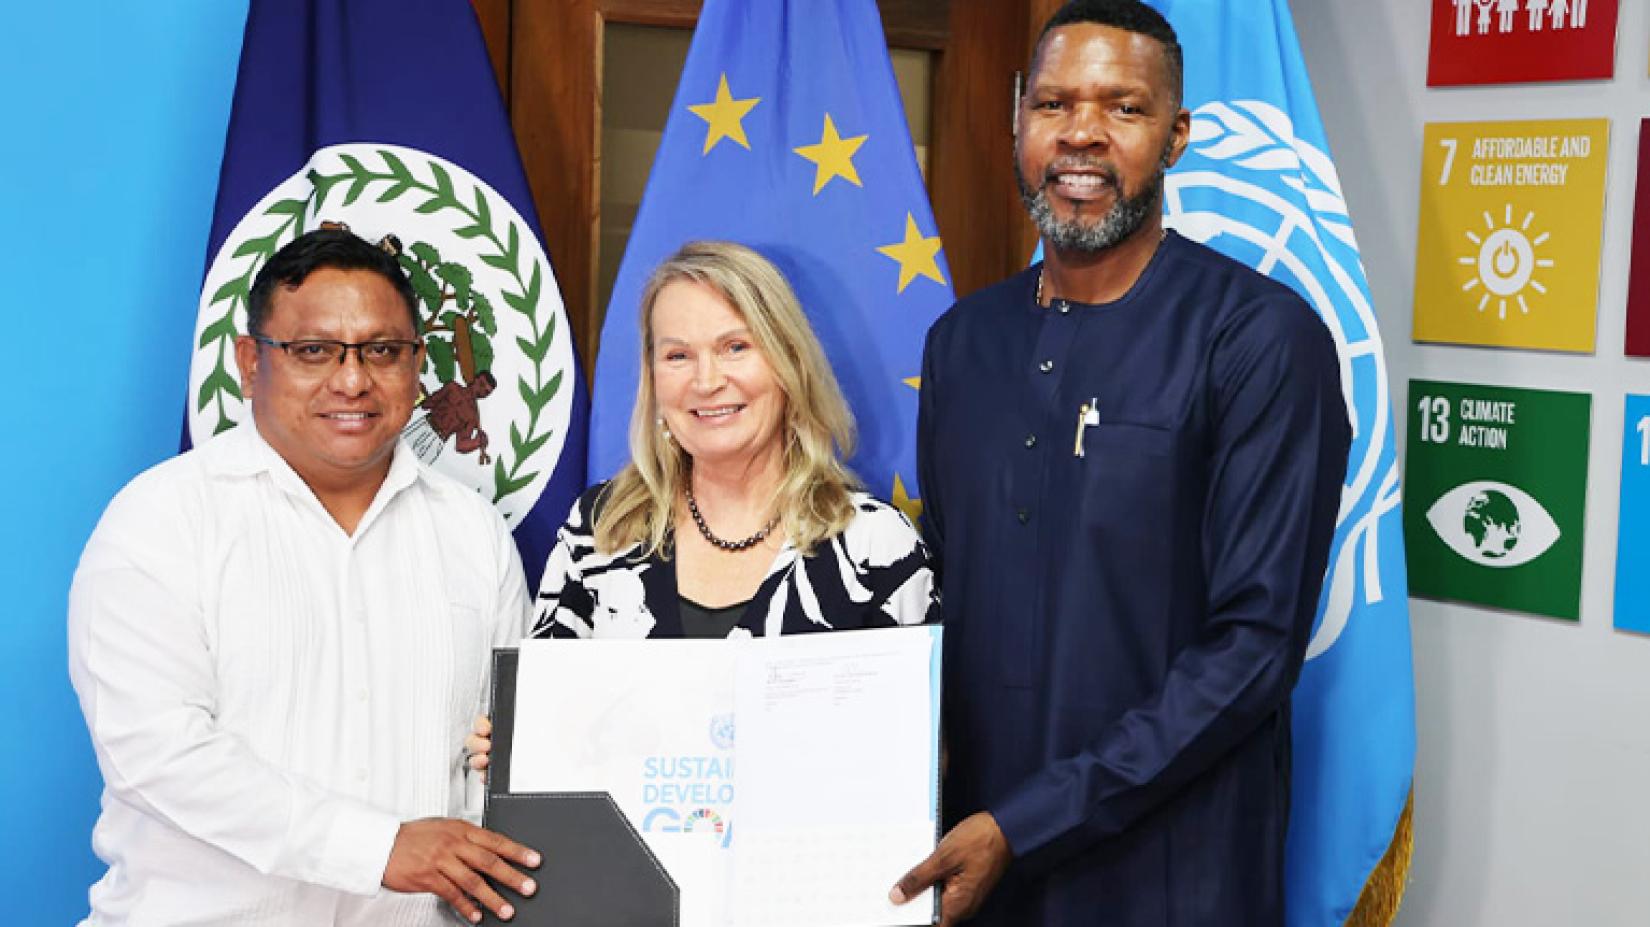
x,y
1024,515
1063,306
1031,441
1046,366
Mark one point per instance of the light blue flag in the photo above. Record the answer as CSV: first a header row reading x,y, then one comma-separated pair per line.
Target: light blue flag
x,y
1257,183
788,135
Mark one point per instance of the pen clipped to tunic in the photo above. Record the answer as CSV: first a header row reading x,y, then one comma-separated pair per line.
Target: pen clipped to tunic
x,y
1087,414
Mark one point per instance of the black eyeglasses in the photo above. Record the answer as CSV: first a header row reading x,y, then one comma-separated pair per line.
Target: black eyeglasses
x,y
386,354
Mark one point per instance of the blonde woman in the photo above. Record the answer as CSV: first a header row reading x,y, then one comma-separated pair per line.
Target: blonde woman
x,y
735,516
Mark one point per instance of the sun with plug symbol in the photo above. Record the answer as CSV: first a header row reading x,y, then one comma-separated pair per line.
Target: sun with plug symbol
x,y
1506,262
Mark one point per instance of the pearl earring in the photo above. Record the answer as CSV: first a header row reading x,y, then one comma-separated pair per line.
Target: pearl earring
x,y
663,428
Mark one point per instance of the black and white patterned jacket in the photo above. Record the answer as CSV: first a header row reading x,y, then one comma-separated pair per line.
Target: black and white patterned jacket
x,y
874,574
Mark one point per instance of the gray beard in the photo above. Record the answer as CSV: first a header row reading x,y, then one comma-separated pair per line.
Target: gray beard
x,y
1123,219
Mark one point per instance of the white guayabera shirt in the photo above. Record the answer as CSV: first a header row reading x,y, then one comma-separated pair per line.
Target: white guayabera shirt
x,y
270,697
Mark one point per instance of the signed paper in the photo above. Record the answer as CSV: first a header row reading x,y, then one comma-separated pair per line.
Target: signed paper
x,y
835,779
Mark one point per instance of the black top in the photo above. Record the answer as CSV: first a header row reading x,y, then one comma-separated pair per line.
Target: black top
x,y
874,574
699,621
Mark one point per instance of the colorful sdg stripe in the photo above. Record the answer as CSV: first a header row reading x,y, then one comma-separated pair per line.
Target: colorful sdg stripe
x,y
705,816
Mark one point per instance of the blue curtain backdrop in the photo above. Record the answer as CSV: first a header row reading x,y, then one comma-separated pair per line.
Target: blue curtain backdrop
x,y
114,119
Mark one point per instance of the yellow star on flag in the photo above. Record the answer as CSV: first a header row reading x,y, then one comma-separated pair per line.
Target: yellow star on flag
x,y
903,501
913,382
724,115
915,255
833,156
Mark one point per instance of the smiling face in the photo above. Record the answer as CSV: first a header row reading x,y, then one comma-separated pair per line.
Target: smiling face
x,y
715,389
1097,127
336,425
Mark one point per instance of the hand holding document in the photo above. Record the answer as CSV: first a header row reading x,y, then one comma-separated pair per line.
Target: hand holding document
x,y
782,782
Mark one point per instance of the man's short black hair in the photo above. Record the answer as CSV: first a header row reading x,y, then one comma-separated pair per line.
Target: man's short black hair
x,y
1129,16
339,249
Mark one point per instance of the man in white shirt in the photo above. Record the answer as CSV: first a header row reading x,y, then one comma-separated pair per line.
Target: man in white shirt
x,y
279,638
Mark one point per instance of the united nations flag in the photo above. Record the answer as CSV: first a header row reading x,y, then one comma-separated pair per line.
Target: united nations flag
x,y
1257,183
787,134
383,117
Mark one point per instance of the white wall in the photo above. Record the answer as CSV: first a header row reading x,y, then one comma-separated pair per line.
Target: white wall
x,y
1533,780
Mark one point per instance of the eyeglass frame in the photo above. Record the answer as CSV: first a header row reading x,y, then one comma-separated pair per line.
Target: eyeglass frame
x,y
345,346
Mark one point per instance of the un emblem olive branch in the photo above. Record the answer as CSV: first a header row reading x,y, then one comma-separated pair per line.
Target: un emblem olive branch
x,y
1259,139
222,332
440,195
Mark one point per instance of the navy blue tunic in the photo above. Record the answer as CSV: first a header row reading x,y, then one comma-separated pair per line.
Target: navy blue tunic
x,y
1124,627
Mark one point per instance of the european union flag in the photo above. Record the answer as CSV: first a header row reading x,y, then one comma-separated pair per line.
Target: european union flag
x,y
787,135
1257,183
383,116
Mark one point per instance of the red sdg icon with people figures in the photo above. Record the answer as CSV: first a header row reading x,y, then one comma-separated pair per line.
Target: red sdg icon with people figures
x,y
1521,41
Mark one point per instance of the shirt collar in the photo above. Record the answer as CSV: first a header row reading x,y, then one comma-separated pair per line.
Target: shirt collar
x,y
1171,240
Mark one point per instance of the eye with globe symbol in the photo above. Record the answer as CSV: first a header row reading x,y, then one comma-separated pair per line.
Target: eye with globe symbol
x,y
1505,262
1491,520
1493,524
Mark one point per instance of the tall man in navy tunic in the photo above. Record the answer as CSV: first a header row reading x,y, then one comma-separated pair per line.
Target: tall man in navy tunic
x,y
1131,457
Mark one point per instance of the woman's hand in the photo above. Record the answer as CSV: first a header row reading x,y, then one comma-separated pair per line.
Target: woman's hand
x,y
479,744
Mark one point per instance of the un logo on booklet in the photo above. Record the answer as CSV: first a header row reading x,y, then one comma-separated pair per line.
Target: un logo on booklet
x,y
721,731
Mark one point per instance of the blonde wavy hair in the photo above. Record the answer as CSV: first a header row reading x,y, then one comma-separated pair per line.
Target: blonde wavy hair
x,y
812,498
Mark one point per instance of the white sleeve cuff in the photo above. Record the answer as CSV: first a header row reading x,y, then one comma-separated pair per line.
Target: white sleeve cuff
x,y
356,850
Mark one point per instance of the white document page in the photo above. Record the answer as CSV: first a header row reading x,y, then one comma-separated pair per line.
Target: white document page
x,y
837,777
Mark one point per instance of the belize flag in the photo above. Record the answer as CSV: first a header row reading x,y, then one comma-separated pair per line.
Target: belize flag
x,y
787,134
383,116
1257,183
